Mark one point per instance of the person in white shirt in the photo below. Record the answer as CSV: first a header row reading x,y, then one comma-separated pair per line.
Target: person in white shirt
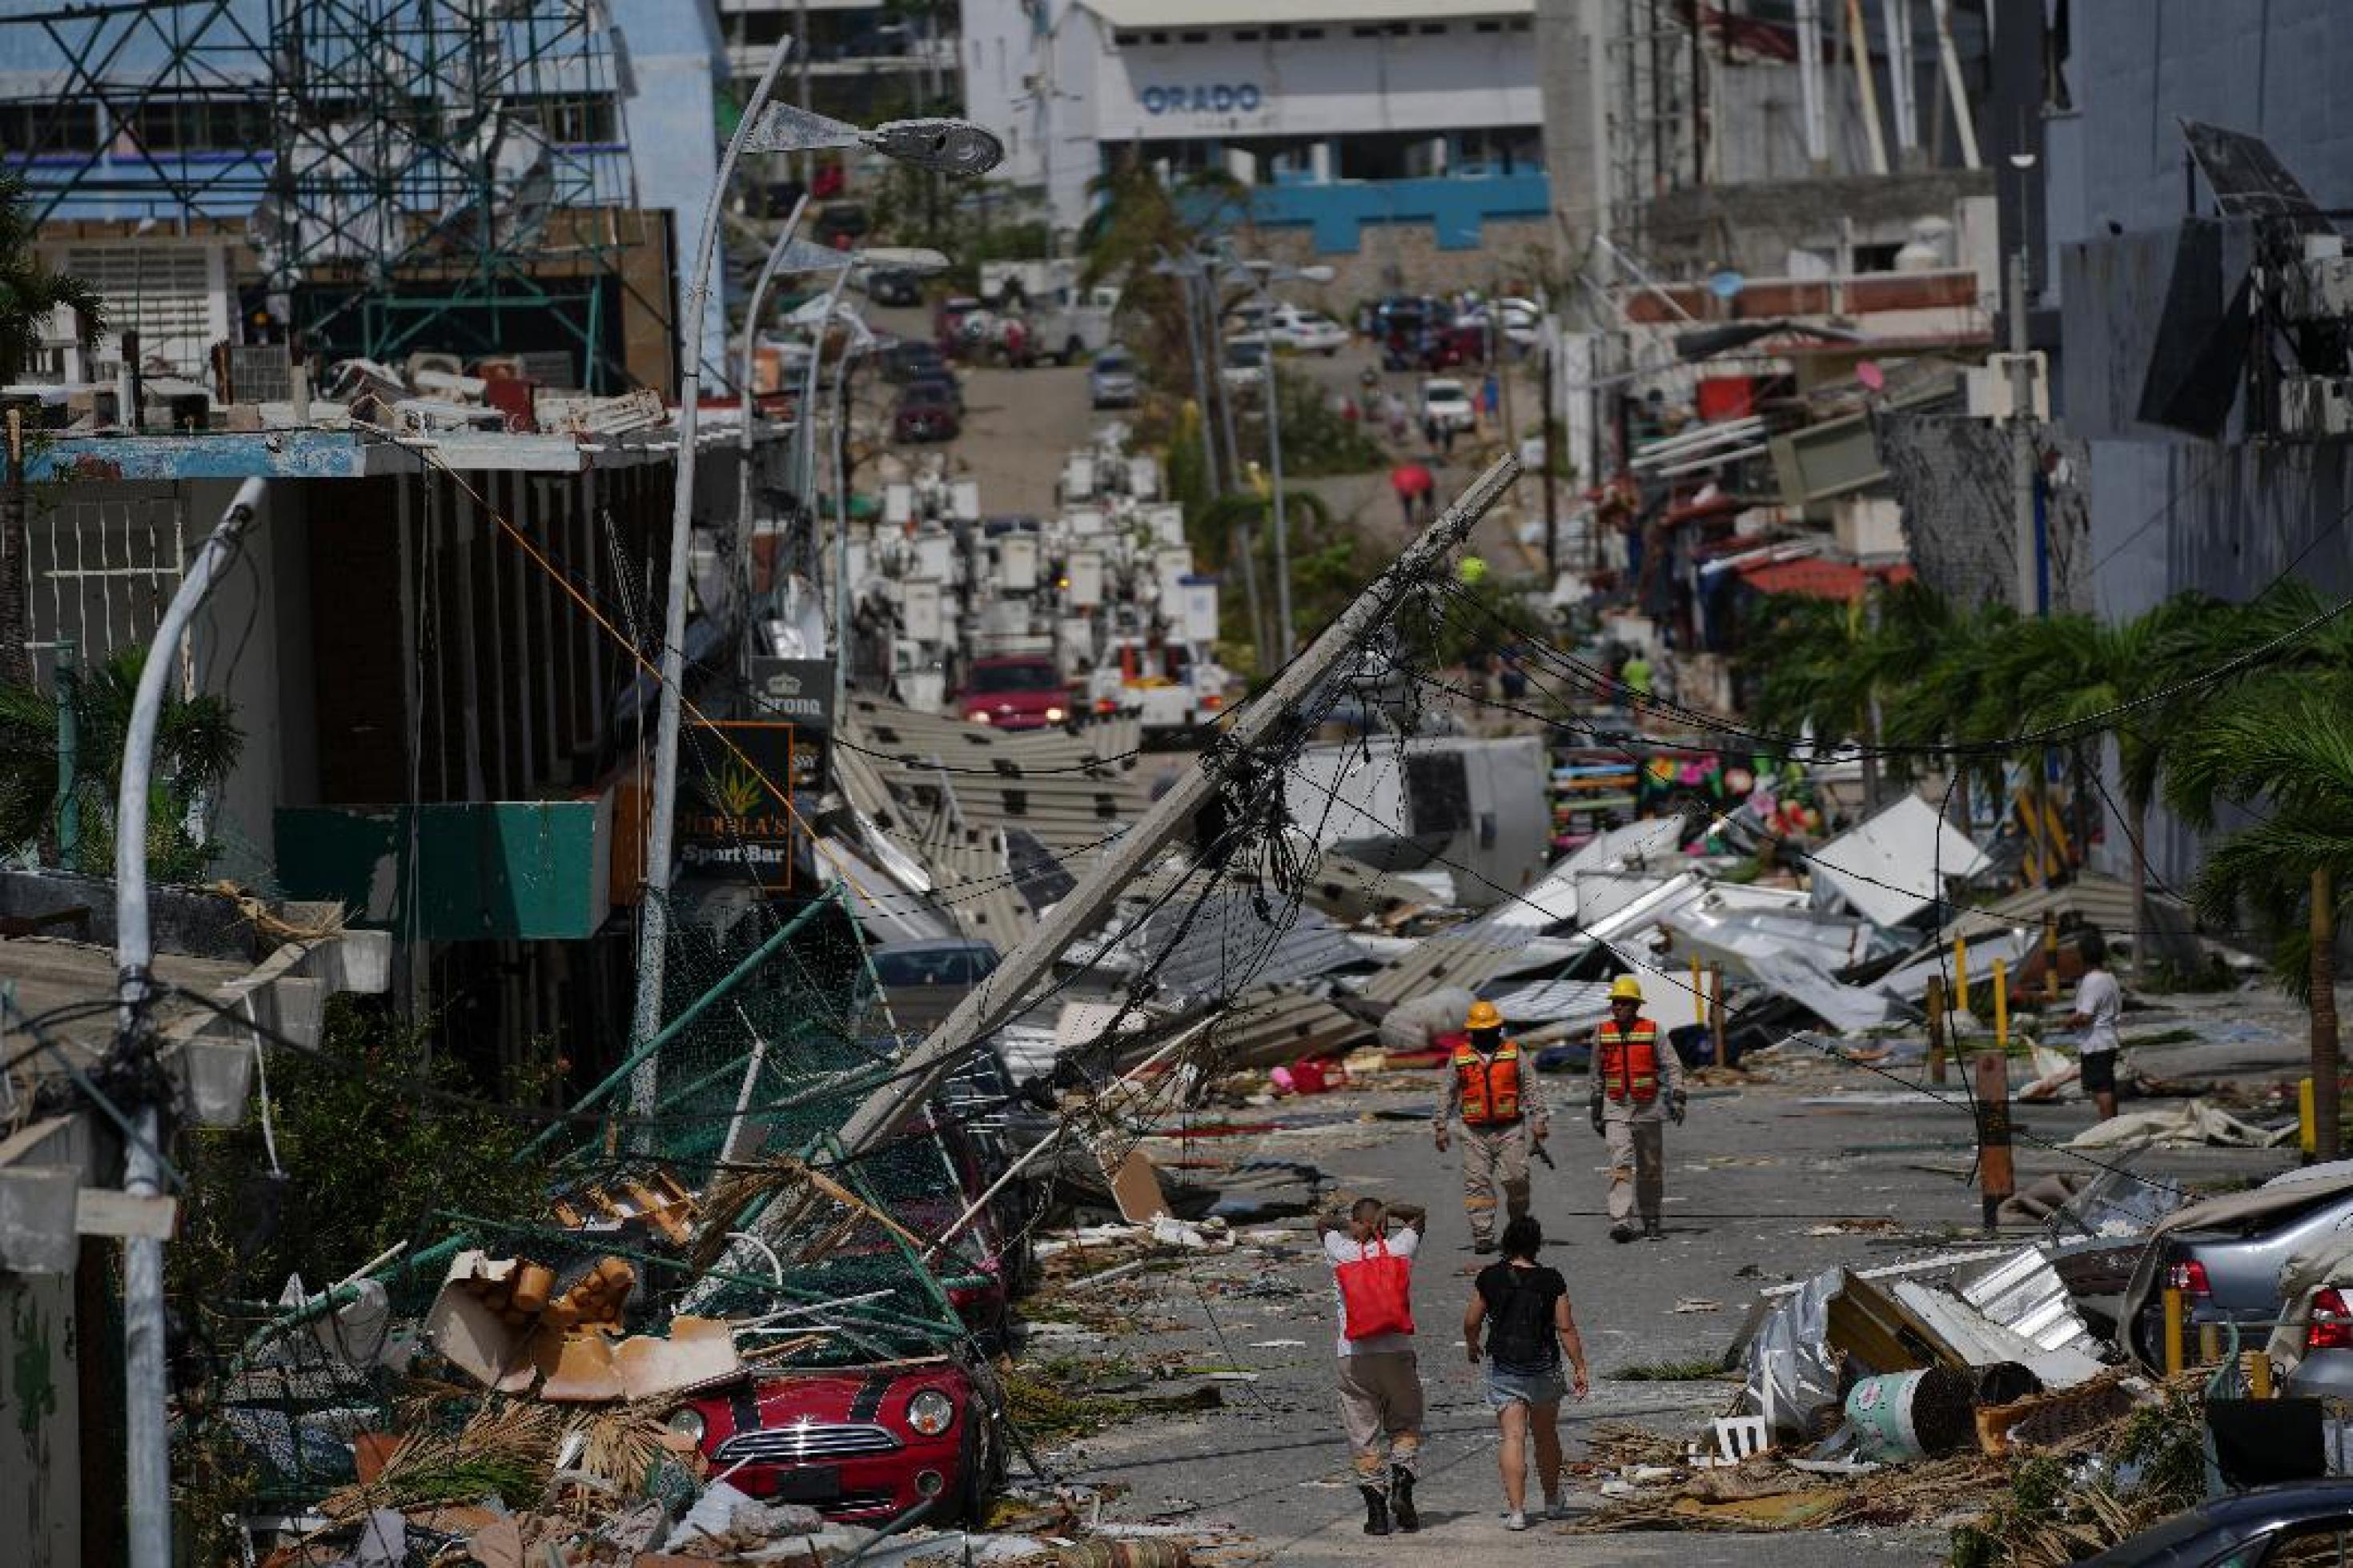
x,y
2099,1002
1380,1379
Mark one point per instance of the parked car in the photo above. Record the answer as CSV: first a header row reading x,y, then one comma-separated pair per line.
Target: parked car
x,y
1014,691
913,360
925,413
2266,1526
1245,364
894,286
1309,332
2229,1272
840,226
926,980
862,1444
1113,382
940,385
1445,403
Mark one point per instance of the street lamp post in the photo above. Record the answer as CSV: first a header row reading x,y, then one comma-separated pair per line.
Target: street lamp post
x,y
951,146
1261,277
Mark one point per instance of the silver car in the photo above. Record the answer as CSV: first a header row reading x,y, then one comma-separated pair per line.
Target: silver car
x,y
2230,1273
1112,383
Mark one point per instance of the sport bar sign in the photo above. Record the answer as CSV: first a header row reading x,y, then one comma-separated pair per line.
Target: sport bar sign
x,y
734,822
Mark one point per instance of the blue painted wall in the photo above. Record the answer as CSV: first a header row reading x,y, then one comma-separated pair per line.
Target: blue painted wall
x,y
1455,208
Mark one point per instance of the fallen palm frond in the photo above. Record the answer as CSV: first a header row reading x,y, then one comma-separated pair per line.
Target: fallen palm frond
x,y
507,1450
620,1444
1668,1371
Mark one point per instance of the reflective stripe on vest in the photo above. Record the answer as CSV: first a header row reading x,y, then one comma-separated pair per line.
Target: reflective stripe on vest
x,y
1630,1061
1491,1084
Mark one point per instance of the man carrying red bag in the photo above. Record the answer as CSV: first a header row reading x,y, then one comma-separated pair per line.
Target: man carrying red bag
x,y
1380,1379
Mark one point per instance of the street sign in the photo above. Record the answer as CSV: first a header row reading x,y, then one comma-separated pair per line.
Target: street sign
x,y
733,824
800,689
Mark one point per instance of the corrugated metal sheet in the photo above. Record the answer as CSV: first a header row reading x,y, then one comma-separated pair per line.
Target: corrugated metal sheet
x,y
1555,898
1197,956
2102,900
1573,1003
1888,869
1285,1027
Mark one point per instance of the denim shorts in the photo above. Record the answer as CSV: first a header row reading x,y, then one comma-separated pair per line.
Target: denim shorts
x,y
1507,1388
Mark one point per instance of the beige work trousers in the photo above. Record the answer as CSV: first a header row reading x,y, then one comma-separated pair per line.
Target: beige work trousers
x,y
1490,1154
1380,1408
1637,1160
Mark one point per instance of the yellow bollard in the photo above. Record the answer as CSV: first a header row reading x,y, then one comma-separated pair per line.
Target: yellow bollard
x,y
2051,957
2210,1343
2307,1126
1961,972
2259,1374
2001,1006
1699,992
2173,1333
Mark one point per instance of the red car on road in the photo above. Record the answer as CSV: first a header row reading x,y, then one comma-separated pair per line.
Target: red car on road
x,y
859,1444
1015,692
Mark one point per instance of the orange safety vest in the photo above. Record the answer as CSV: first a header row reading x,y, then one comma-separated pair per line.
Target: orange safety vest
x,y
1630,1061
1491,1084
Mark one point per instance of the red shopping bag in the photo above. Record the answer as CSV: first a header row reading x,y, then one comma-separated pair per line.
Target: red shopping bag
x,y
1376,1294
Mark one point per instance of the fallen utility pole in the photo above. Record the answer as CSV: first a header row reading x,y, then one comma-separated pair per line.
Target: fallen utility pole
x,y
996,999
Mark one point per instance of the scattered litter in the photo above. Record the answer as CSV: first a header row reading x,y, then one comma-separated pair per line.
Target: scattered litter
x,y
1696,1304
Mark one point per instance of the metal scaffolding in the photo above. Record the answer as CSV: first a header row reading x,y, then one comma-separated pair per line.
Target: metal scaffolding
x,y
413,173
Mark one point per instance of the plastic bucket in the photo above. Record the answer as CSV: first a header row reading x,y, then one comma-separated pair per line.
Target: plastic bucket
x,y
1910,1415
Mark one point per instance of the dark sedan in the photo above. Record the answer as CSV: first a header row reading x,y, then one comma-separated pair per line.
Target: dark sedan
x,y
925,414
2304,1521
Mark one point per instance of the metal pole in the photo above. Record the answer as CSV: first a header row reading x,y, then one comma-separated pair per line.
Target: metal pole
x,y
751,342
148,1460
1809,84
842,653
69,809
1200,383
1260,721
2022,444
653,913
1552,466
1288,636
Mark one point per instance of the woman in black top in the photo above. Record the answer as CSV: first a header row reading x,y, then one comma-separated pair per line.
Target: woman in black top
x,y
1523,1306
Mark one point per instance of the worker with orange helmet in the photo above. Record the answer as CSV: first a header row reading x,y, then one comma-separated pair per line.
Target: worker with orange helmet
x,y
1637,1086
1502,1107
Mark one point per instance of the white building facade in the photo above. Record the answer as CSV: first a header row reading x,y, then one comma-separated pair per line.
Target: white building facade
x,y
1339,115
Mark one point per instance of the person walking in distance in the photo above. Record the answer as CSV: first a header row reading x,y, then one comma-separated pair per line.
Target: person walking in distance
x,y
1523,1306
1637,1085
1503,1110
1380,1380
2099,1002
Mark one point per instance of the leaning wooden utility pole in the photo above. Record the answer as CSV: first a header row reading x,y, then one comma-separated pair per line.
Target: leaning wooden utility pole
x,y
996,999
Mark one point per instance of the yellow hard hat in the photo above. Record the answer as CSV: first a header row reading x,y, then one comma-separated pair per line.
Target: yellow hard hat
x,y
1484,1016
1625,988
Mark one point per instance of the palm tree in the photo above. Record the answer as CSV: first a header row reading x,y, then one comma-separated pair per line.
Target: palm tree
x,y
2127,678
29,295
197,745
2285,738
1953,699
1831,666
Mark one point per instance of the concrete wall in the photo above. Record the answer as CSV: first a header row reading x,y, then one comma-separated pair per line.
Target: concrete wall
x,y
41,1423
1514,255
1323,87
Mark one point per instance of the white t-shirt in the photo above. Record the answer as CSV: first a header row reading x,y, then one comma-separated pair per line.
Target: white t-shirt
x,y
1340,1247
2101,1000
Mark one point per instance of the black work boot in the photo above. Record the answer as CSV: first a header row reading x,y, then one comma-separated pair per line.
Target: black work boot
x,y
1653,1231
1401,1500
1482,1245
1376,1508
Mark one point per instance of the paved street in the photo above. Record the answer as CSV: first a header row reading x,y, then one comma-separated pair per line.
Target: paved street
x,y
1753,1176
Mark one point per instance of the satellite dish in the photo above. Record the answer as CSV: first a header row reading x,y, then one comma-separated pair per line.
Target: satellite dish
x,y
1726,285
